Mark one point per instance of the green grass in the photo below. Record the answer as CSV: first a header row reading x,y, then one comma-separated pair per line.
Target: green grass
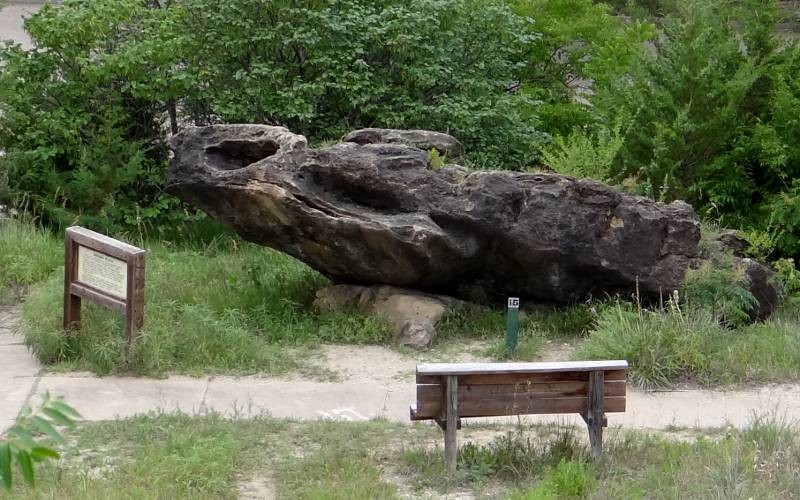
x,y
536,327
173,457
226,307
663,348
28,254
176,457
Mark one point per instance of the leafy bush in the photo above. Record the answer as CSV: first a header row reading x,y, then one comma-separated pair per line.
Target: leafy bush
x,y
585,153
418,64
79,143
721,290
715,113
83,115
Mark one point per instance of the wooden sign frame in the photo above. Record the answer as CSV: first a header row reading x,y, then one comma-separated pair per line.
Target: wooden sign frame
x,y
132,305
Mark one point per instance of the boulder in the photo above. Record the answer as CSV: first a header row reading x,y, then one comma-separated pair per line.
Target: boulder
x,y
764,285
412,315
371,210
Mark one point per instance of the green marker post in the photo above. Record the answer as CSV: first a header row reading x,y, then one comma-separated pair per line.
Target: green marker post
x,y
512,325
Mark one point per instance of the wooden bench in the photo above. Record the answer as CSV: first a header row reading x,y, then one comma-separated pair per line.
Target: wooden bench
x,y
447,392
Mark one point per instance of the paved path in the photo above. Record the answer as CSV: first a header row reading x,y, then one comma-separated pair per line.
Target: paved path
x,y
11,17
377,383
18,370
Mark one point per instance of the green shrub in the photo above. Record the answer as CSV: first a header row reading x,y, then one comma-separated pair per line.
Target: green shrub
x,y
714,116
721,290
83,115
80,143
585,153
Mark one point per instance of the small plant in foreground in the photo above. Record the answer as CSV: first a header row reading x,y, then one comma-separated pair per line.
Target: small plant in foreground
x,y
22,445
568,479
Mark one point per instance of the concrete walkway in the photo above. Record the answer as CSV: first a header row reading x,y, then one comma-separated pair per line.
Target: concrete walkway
x,y
377,382
19,372
11,19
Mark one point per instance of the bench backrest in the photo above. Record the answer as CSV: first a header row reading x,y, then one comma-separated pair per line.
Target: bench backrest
x,y
504,389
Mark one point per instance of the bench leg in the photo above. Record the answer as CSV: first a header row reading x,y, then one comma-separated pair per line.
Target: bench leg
x,y
595,418
451,415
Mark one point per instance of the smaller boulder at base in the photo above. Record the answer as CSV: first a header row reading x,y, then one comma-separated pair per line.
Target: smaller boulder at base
x,y
411,314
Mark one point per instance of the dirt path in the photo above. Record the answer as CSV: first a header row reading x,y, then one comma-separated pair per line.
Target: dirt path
x,y
372,382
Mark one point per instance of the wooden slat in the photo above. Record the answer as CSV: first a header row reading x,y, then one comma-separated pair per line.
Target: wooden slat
x,y
96,296
494,407
494,368
102,243
522,378
429,393
451,427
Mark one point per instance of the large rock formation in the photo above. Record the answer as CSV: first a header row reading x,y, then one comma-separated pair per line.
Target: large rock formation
x,y
370,210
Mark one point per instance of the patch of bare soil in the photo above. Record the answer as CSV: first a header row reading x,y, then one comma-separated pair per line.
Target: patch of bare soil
x,y
553,351
405,490
256,488
383,364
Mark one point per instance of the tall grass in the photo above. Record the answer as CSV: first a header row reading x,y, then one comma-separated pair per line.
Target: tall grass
x,y
28,254
674,345
228,307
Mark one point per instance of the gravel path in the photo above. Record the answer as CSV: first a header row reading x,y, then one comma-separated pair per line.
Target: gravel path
x,y
374,382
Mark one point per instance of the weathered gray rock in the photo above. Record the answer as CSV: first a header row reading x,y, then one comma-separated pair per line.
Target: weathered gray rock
x,y
763,284
422,139
412,315
728,249
376,213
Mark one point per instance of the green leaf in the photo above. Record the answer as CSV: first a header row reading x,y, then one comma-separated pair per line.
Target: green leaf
x,y
41,453
45,427
25,465
23,437
65,409
5,465
58,417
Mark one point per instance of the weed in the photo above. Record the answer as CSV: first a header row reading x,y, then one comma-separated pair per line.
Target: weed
x,y
568,479
721,290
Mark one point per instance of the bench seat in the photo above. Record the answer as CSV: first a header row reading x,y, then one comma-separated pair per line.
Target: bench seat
x,y
447,392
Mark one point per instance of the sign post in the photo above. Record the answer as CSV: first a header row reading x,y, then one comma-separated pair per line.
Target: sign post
x,y
105,271
512,325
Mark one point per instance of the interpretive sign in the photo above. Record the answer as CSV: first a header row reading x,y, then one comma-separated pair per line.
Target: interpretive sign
x,y
102,272
105,271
